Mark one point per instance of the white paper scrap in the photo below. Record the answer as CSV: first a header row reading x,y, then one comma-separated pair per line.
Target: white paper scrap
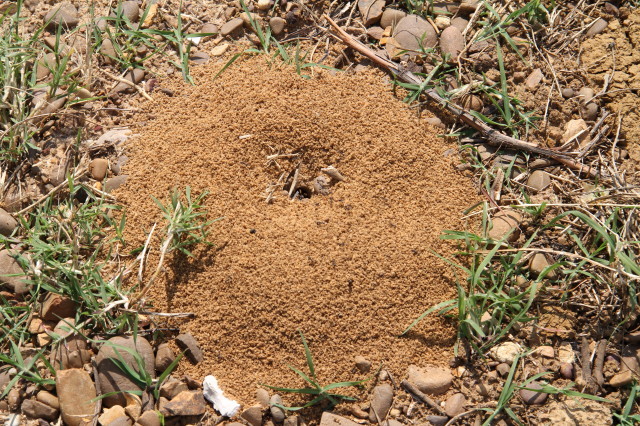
x,y
223,405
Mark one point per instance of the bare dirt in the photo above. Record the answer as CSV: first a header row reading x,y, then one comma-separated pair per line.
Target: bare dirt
x,y
612,61
350,269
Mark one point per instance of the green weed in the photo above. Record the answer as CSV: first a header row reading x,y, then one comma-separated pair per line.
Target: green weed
x,y
320,393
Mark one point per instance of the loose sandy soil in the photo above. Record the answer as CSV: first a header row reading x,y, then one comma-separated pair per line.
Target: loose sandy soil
x,y
351,269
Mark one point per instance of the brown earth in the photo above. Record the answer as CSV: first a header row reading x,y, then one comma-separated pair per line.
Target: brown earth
x,y
617,52
351,269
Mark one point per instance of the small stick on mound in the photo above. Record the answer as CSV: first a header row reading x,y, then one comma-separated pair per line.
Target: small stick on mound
x,y
493,137
417,394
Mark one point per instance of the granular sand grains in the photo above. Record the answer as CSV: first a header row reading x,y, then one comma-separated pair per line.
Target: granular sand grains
x,y
351,269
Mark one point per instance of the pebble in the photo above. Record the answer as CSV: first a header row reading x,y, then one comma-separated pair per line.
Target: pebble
x,y
57,306
532,397
460,23
503,369
438,420
149,418
291,421
586,95
135,76
164,357
567,93
119,164
71,352
598,26
253,415
186,403
188,343
534,79
330,419
49,399
381,400
566,370
409,33
455,404
442,22
590,111
12,276
390,17
375,32
538,263
277,413
199,58
622,379
247,17
112,379
611,9
98,170
115,182
37,410
64,15
371,11
277,25
172,387
231,27
108,51
209,28
472,102
131,10
7,223
503,222
566,354
451,42
546,351
262,396
505,352
363,364
467,7
76,393
538,180
83,93
430,380
110,415
435,122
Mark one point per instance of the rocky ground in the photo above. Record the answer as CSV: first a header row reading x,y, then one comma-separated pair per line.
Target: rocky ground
x,y
539,103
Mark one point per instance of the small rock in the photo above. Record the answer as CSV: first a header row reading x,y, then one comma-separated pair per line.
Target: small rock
x,y
611,9
188,343
503,369
597,27
220,49
472,102
430,380
186,403
7,223
11,274
330,419
442,22
112,379
135,76
451,42
247,17
586,95
164,357
534,79
98,169
375,32
435,122
277,25
455,404
533,397
390,17
172,387
49,399
37,410
253,415
149,418
115,183
381,400
130,10
575,128
199,58
64,15
566,353
56,307
76,393
590,111
71,351
45,65
539,263
119,164
262,397
505,352
108,51
14,398
264,4
414,33
504,222
468,7
83,93
111,414
567,93
277,413
363,364
538,180
371,11
438,420
291,421
460,23
566,371
546,351
209,28
231,27
622,379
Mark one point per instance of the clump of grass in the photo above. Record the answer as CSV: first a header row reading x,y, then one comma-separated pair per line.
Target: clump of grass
x,y
321,394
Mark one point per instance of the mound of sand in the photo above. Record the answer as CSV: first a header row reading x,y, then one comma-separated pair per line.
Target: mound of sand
x,y
350,269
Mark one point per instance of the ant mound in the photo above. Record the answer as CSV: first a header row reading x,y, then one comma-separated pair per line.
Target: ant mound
x,y
344,255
